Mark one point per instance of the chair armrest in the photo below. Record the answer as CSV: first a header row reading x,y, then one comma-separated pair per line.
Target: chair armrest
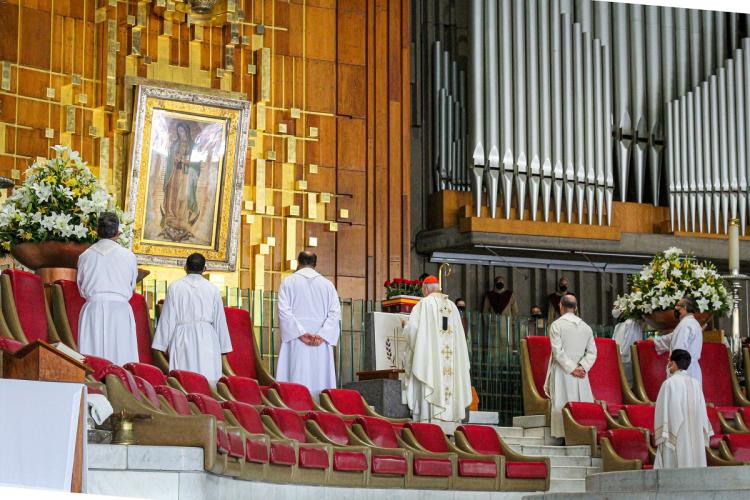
x,y
611,461
160,360
225,368
175,384
740,423
576,434
612,423
275,399
327,405
639,387
419,451
466,454
224,392
372,413
728,428
720,460
533,402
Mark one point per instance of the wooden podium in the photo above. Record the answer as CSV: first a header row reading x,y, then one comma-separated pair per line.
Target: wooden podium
x,y
41,362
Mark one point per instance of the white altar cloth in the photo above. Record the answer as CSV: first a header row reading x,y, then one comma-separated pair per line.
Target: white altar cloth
x,y
38,427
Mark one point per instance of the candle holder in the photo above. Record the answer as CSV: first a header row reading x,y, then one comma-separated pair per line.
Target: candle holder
x,y
735,280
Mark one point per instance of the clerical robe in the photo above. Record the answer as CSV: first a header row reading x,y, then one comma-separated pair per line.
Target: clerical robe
x,y
681,424
107,274
625,335
436,384
573,345
192,327
688,336
308,303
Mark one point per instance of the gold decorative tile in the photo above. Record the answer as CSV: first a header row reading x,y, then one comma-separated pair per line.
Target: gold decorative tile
x,y
249,205
291,211
282,128
295,113
49,133
313,132
344,213
301,185
333,227
312,241
271,155
249,219
325,197
50,93
312,168
271,241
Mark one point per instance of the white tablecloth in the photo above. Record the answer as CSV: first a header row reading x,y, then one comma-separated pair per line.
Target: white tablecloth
x,y
38,426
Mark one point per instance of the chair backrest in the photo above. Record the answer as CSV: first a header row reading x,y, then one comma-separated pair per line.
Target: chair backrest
x,y
630,444
295,396
149,372
739,445
242,358
604,376
73,304
379,430
540,350
147,390
717,384
243,389
142,328
246,415
641,416
207,405
28,296
177,400
9,345
653,367
713,418
482,438
288,422
125,377
347,401
588,414
430,436
332,426
192,382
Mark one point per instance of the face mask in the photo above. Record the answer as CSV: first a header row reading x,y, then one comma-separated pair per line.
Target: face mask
x,y
563,288
461,309
499,285
677,314
537,316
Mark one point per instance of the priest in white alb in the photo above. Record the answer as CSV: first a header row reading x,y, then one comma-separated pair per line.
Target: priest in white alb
x,y
573,355
192,327
681,426
437,384
688,335
107,273
627,332
309,313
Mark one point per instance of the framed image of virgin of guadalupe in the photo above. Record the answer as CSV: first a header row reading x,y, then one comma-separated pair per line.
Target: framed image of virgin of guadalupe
x,y
186,176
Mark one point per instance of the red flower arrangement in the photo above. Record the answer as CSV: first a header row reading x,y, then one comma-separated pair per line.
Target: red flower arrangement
x,y
400,286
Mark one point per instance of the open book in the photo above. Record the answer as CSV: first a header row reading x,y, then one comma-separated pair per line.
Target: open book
x,y
69,352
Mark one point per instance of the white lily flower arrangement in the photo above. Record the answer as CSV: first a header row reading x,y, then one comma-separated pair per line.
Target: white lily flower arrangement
x,y
60,200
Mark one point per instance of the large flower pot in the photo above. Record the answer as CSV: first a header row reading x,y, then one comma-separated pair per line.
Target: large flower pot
x,y
400,304
665,321
49,254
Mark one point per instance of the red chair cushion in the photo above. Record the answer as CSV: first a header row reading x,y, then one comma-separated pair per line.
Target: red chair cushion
x,y
717,388
653,367
739,445
744,412
236,445
243,389
379,430
715,440
641,416
282,454
288,422
9,345
614,409
347,401
713,418
28,296
222,441
149,372
389,464
207,405
313,458
97,364
246,415
192,382
630,444
349,461
604,376
332,426
440,467
176,399
147,390
588,414
125,377
647,467
295,396
430,436
256,451
482,438
539,350
476,468
525,470
142,328
242,358
73,304
728,411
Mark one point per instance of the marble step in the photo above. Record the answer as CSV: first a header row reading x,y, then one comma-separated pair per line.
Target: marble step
x,y
524,441
567,485
508,432
548,451
484,417
572,472
543,432
528,421
571,461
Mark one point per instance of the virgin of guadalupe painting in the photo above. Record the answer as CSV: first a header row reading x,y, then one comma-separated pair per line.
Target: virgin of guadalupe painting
x,y
187,175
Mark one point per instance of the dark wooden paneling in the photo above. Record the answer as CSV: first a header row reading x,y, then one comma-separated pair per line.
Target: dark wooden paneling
x,y
352,144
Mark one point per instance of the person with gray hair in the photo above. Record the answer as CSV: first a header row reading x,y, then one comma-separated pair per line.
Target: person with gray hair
x,y
573,355
688,335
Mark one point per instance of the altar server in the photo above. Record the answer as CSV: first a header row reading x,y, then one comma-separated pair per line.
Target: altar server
x,y
107,273
309,313
688,335
192,327
437,384
681,425
627,332
573,355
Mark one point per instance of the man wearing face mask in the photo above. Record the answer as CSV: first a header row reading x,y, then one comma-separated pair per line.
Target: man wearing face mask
x,y
681,425
688,336
499,300
536,321
553,299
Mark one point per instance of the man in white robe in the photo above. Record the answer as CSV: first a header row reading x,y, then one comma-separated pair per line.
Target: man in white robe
x,y
681,424
627,332
573,355
309,313
107,273
436,384
688,335
192,328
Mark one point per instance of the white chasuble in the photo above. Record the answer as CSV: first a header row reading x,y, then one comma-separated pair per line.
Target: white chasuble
x,y
681,425
308,303
192,327
573,345
688,335
107,273
437,384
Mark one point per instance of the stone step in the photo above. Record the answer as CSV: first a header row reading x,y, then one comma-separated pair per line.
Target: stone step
x,y
524,441
484,417
548,451
571,461
571,472
567,485
543,432
507,432
528,421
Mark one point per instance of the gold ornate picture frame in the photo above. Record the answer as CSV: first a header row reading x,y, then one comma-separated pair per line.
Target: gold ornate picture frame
x,y
186,176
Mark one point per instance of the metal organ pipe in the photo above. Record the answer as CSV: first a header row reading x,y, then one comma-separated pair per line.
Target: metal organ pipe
x,y
532,91
589,139
638,86
476,105
519,62
580,148
741,105
568,106
492,173
622,118
545,106
557,105
654,100
508,158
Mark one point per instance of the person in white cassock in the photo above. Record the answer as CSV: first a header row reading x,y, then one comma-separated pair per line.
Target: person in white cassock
x,y
309,313
436,384
573,355
681,426
192,327
688,335
107,273
627,332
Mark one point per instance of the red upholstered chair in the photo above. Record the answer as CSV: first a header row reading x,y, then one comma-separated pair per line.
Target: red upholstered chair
x,y
314,459
522,473
191,382
639,416
66,309
535,355
626,449
649,370
294,396
25,308
149,372
145,334
742,419
231,439
244,389
720,386
607,378
97,364
148,392
735,449
9,345
350,404
586,423
244,360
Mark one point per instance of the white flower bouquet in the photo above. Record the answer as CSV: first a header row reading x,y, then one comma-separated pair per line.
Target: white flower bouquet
x,y
668,277
60,200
